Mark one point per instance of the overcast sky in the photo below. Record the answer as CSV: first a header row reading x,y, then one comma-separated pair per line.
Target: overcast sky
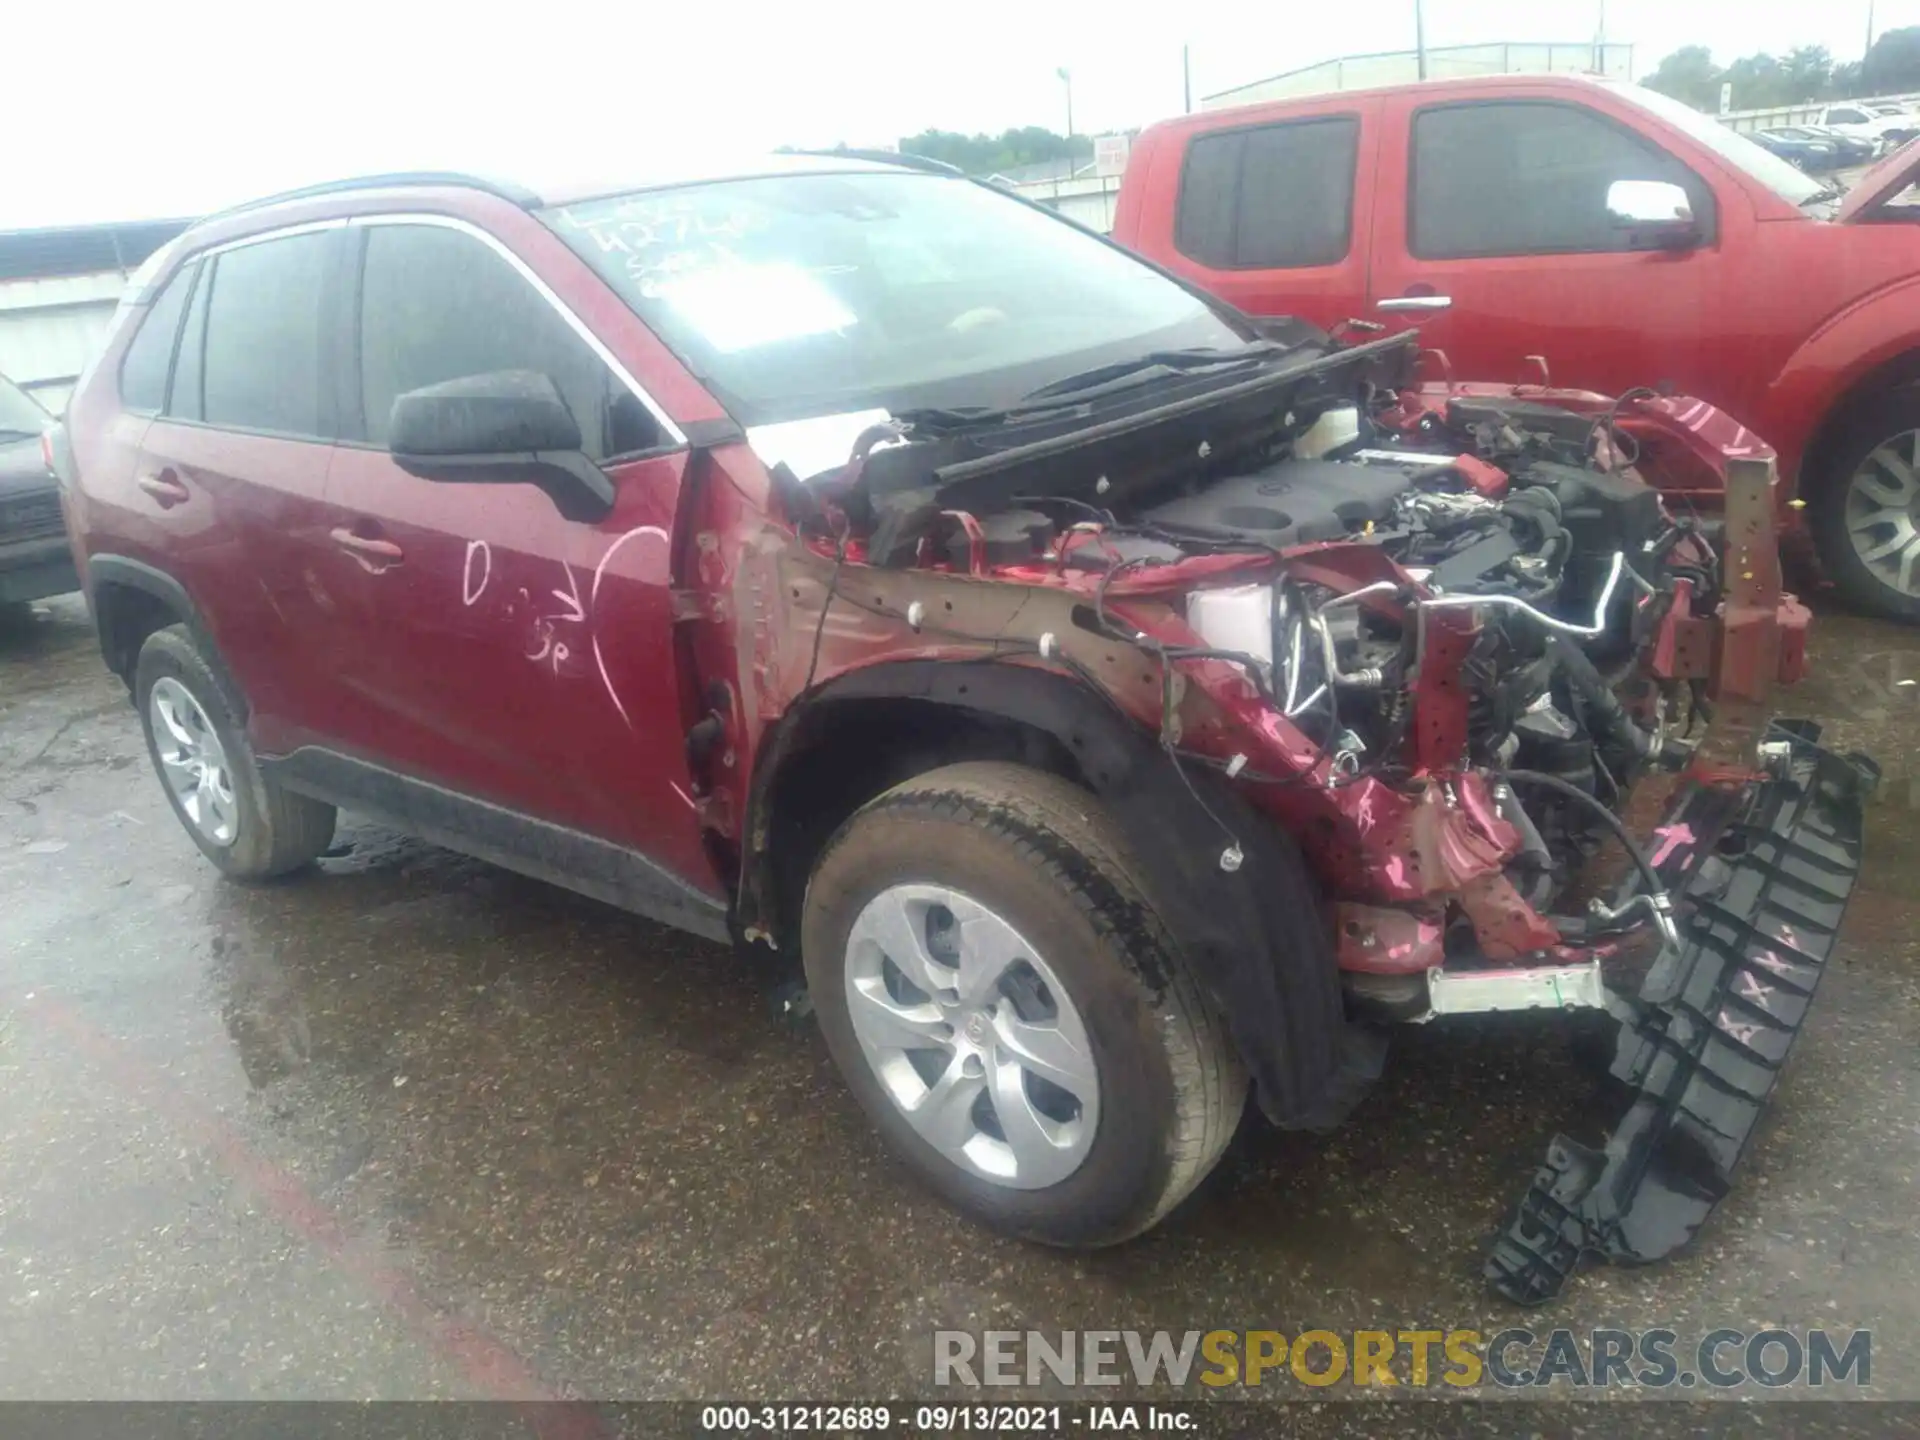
x,y
122,109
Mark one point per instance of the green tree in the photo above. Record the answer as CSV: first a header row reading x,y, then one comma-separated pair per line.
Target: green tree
x,y
985,154
1807,72
1892,66
1688,74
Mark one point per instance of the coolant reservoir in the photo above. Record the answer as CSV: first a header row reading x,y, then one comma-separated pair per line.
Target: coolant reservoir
x,y
1240,618
1332,430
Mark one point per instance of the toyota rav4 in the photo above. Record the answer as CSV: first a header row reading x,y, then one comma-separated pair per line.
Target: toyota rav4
x,y
1109,700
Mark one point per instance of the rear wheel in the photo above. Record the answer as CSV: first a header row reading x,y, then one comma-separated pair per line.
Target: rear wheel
x,y
992,980
241,820
1865,510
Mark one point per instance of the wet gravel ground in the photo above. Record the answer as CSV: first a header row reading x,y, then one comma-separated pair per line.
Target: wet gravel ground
x,y
409,1126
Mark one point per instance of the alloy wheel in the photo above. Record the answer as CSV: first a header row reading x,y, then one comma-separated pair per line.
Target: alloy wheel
x,y
1883,512
972,1035
192,761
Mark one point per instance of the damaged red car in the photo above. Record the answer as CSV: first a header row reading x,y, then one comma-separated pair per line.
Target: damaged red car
x,y
1113,703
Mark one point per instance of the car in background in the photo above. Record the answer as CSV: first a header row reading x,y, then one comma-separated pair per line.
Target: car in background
x,y
34,559
1853,149
1812,153
1621,239
1868,123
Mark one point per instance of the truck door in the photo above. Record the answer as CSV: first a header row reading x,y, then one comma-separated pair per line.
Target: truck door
x,y
1273,215
1492,234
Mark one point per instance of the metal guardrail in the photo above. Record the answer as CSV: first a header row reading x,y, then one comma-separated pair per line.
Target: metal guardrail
x,y
1747,121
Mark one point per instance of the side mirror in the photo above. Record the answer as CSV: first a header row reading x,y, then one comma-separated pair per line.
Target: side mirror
x,y
506,428
1657,212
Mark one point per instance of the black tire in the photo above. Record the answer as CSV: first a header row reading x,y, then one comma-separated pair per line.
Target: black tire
x,y
1827,495
1046,855
275,831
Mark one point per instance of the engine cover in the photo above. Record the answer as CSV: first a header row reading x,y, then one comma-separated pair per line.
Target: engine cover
x,y
1291,503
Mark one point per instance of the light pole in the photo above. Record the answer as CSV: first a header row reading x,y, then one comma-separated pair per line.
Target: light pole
x,y
1863,53
1066,78
1420,38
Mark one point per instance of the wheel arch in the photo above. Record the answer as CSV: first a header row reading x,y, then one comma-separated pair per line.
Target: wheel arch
x,y
130,600
1275,979
1897,372
1850,360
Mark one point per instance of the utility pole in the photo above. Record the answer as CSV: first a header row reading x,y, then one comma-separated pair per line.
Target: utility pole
x,y
1600,42
1186,77
1420,38
1066,78
1863,53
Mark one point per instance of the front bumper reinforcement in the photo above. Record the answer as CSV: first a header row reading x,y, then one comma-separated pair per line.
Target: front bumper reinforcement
x,y
1762,874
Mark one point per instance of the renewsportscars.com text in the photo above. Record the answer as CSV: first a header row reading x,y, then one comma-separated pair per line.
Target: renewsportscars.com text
x,y
1508,1359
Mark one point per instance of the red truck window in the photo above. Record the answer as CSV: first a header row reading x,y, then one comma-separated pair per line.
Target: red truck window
x,y
1527,178
1273,197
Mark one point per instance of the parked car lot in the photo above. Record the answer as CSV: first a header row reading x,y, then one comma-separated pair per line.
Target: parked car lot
x,y
1029,697
412,1126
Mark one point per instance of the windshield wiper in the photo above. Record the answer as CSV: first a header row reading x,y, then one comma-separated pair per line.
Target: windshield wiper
x,y
8,432
1152,365
1821,196
1075,391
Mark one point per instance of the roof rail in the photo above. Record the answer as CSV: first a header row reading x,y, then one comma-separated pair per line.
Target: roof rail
x,y
516,194
889,157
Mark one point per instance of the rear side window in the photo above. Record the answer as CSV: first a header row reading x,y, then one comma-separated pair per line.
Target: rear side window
x,y
1527,178
186,398
1273,198
261,363
143,369
439,304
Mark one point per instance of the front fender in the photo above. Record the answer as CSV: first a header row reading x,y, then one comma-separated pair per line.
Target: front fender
x,y
1866,335
1251,935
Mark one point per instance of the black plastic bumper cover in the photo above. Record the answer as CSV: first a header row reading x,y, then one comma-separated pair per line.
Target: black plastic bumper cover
x,y
1766,883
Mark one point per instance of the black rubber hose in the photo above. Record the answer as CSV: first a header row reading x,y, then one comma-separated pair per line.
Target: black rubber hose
x,y
1612,821
1609,716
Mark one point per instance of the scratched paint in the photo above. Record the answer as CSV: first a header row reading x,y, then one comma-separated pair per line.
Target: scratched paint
x,y
593,599
472,587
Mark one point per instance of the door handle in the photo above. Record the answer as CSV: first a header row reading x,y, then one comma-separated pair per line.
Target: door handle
x,y
166,488
1399,303
373,555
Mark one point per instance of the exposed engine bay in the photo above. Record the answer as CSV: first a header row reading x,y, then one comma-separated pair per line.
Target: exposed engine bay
x,y
1418,585
1437,636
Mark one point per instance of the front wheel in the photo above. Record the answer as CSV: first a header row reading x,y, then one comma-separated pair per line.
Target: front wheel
x,y
1865,510
1009,1010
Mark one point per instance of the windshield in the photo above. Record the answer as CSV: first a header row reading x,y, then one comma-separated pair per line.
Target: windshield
x,y
808,295
19,415
1780,176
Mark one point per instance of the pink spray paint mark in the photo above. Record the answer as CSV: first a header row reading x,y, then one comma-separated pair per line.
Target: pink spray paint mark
x,y
1671,838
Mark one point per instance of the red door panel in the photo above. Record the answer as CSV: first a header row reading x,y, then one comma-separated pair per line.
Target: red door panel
x,y
1604,321
244,524
484,642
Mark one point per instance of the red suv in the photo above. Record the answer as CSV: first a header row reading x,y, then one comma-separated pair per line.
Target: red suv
x,y
1107,700
1628,239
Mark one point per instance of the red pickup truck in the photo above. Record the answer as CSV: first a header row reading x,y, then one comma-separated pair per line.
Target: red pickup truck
x,y
1629,240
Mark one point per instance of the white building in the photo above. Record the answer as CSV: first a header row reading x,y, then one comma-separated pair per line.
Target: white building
x,y
58,289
